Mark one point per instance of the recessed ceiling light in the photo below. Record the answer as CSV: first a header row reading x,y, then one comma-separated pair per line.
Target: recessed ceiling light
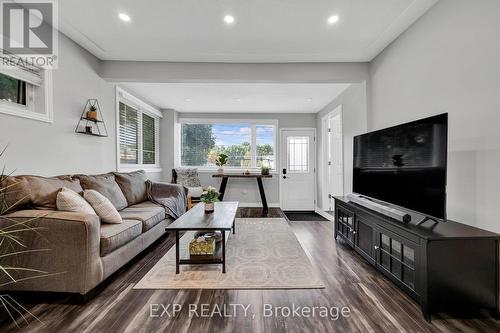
x,y
237,99
309,99
124,17
333,19
188,100
229,19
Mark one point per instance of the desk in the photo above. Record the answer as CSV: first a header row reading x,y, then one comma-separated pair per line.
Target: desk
x,y
258,177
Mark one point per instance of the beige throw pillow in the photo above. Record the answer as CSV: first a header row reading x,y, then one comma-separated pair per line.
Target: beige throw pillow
x,y
69,201
102,206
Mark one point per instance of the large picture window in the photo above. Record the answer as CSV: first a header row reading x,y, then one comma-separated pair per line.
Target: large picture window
x,y
248,144
138,135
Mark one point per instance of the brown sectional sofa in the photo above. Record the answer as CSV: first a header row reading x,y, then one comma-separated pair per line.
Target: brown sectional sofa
x,y
83,251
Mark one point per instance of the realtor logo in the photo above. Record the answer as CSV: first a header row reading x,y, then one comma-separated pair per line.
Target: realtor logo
x,y
29,32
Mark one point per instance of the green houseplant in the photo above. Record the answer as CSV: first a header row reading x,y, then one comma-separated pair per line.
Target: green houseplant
x,y
264,170
221,161
12,245
92,113
209,198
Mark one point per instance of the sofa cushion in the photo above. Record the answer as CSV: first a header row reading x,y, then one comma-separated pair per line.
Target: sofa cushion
x,y
147,212
194,192
133,186
114,236
41,192
106,185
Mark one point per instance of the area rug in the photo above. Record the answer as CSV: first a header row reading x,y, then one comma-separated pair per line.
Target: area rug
x,y
263,254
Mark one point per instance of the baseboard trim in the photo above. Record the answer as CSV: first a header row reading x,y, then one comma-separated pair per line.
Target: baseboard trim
x,y
258,204
323,213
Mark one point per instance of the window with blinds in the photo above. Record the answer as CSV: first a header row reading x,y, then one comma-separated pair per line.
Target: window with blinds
x,y
148,140
137,136
129,135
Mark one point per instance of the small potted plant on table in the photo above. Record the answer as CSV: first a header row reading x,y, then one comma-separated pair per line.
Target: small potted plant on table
x,y
220,162
209,198
264,170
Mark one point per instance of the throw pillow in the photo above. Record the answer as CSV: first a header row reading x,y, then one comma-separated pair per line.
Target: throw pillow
x,y
106,185
102,206
188,177
133,185
69,201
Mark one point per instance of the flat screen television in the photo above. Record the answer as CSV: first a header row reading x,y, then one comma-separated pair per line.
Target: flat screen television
x,y
405,165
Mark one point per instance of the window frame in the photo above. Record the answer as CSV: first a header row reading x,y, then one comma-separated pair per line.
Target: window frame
x,y
142,107
29,111
253,144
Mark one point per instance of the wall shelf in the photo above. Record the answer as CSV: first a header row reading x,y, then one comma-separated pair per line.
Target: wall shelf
x,y
92,126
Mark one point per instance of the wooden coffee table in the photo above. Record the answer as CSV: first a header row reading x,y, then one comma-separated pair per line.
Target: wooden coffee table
x,y
195,219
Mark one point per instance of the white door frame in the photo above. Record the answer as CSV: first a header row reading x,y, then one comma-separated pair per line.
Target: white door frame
x,y
313,160
337,111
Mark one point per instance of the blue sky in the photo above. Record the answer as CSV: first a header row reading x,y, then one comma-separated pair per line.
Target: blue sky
x,y
229,134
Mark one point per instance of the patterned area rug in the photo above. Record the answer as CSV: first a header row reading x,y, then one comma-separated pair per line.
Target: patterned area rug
x,y
263,254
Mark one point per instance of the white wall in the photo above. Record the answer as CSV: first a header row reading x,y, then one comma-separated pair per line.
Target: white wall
x,y
49,149
243,190
448,61
354,118
54,148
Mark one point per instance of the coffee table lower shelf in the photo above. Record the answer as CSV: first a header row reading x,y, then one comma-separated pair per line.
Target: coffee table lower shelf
x,y
218,258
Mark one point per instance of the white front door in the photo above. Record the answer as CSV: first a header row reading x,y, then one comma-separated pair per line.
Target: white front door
x,y
298,169
335,164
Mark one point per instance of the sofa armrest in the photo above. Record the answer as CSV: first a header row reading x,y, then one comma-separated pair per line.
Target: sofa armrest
x,y
72,261
165,190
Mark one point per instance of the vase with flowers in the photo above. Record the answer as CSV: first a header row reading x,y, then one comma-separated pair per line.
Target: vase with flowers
x,y
209,198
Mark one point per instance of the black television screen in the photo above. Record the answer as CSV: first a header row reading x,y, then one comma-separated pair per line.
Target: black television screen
x,y
405,165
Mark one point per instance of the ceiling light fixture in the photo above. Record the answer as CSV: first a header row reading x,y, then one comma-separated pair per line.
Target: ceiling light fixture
x,y
188,100
229,19
237,99
124,17
309,99
333,19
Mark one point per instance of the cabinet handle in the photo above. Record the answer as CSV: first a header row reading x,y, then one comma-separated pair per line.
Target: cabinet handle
x,y
375,247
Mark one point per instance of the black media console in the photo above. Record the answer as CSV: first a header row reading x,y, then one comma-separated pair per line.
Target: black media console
x,y
446,267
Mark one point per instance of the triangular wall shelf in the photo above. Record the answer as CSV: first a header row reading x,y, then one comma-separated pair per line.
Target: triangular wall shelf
x,y
91,121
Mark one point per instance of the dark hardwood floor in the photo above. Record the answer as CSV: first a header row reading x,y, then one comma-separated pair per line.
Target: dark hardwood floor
x,y
376,305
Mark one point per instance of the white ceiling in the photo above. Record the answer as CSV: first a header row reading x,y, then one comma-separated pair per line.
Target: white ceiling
x,y
238,97
264,30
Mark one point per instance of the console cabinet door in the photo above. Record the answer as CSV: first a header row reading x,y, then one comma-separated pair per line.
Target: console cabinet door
x,y
364,239
344,224
397,258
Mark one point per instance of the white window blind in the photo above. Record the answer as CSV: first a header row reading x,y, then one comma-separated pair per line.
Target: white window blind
x,y
129,135
138,136
148,140
13,67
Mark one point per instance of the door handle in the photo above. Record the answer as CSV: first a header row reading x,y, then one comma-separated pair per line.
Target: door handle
x,y
376,247
284,177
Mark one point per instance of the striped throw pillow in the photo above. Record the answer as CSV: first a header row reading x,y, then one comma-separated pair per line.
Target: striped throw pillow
x,y
69,201
102,206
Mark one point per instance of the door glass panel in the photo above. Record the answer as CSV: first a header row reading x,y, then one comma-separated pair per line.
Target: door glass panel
x,y
396,248
396,268
385,242
408,255
385,259
298,154
409,277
